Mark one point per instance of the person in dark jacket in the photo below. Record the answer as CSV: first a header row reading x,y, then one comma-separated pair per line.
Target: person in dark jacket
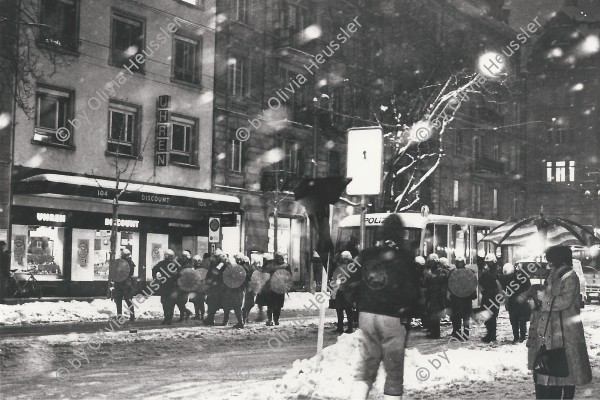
x,y
261,297
233,297
275,300
461,308
124,290
437,288
199,298
249,296
490,288
165,272
182,296
214,279
515,285
388,293
342,305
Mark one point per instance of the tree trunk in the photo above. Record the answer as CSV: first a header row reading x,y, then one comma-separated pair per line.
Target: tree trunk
x,y
113,240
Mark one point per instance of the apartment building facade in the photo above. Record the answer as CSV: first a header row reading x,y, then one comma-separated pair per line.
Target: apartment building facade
x,y
563,165
123,108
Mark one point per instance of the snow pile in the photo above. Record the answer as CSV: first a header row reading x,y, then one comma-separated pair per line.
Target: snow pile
x,y
101,309
332,378
446,365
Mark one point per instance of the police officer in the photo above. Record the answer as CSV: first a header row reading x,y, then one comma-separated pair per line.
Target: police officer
x,y
234,297
182,296
214,279
200,297
342,303
275,300
490,288
165,272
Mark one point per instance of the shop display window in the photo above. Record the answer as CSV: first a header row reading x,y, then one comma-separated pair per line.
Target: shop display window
x,y
127,240
38,250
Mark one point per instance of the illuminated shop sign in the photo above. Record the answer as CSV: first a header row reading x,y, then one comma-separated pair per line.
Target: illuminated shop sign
x,y
125,223
46,217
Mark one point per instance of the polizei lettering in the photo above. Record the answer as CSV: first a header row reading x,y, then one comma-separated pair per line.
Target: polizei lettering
x,y
156,199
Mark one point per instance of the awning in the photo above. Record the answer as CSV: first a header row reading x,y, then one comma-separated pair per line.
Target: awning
x,y
136,192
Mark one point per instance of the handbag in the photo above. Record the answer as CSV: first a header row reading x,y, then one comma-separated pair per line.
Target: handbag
x,y
552,362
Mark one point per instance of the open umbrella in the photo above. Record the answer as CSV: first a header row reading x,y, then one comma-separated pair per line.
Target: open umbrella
x,y
552,231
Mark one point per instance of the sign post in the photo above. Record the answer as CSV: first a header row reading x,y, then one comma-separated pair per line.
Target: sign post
x,y
365,167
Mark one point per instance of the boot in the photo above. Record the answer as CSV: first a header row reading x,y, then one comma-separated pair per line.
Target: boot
x,y
360,390
239,325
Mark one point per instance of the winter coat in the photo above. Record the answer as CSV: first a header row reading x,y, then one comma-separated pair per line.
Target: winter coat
x,y
461,307
214,279
272,299
387,282
168,279
437,286
563,287
515,287
490,288
233,298
126,287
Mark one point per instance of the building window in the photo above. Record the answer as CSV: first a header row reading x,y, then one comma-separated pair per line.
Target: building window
x,y
53,109
238,84
335,167
291,157
240,10
298,101
476,148
476,197
127,42
458,143
235,155
560,171
187,60
293,19
496,152
558,136
183,140
494,201
572,171
122,130
455,196
61,18
514,158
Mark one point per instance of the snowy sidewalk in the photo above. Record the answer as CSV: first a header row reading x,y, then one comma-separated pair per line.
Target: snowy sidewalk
x,y
102,309
437,370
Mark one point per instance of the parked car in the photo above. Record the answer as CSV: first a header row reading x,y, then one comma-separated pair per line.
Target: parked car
x,y
592,278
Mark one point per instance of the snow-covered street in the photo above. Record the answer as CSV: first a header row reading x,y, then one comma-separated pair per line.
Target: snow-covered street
x,y
193,361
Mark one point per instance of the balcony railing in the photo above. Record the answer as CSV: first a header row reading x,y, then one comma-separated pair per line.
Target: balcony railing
x,y
279,180
489,165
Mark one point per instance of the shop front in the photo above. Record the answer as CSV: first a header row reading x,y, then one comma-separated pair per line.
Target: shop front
x,y
61,229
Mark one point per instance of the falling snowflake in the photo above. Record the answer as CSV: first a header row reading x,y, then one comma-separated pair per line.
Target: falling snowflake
x,y
590,45
578,87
